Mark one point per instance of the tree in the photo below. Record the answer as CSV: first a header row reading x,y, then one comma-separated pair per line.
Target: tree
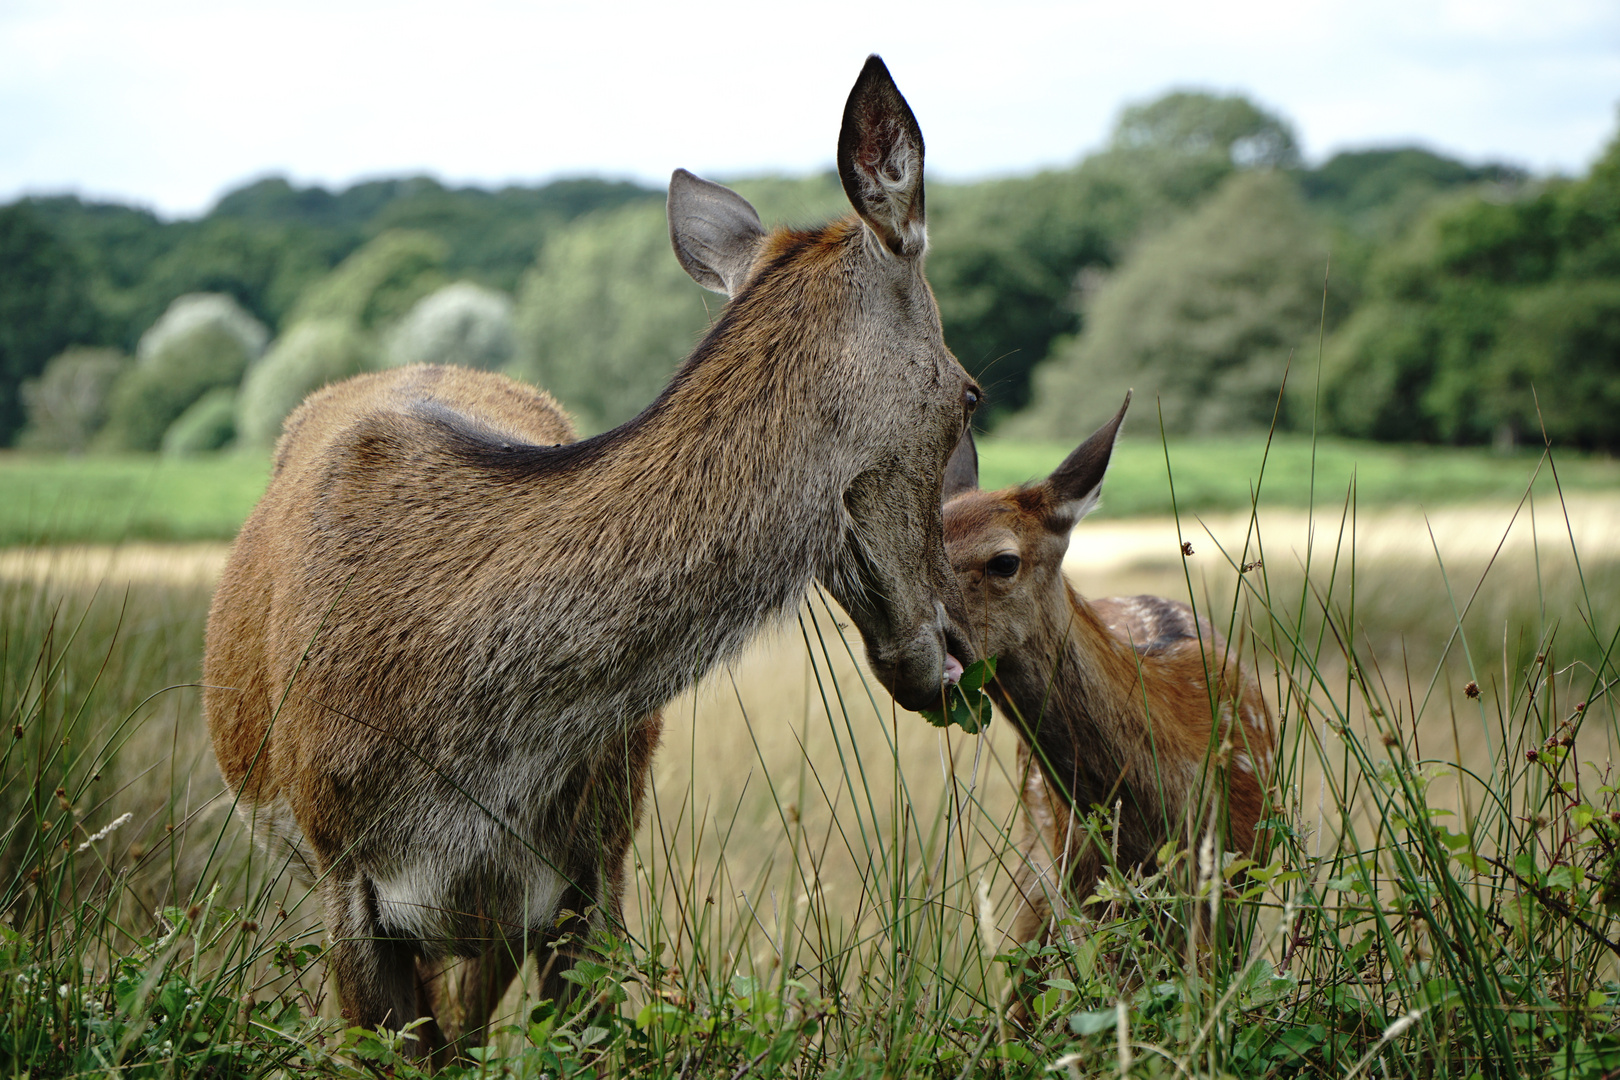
x,y
1488,300
44,307
1010,259
308,356
377,285
1192,123
208,424
203,342
1556,361
463,324
1202,318
606,315
67,404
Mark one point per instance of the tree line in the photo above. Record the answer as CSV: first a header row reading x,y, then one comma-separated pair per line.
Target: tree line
x,y
1193,258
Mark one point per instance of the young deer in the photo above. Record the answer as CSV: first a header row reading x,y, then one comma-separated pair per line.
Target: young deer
x,y
1111,698
436,658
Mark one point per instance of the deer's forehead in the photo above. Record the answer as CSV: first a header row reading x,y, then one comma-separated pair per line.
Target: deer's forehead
x,y
987,518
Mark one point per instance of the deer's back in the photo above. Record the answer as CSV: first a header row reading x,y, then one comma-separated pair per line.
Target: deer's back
x,y
311,544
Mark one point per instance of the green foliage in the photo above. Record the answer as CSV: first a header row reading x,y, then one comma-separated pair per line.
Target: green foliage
x,y
967,704
607,314
1194,123
1563,343
208,424
1381,192
137,265
462,324
1202,320
1010,260
491,236
1487,308
203,342
44,306
308,356
376,285
67,404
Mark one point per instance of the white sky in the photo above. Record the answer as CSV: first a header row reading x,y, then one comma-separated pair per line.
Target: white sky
x,y
169,103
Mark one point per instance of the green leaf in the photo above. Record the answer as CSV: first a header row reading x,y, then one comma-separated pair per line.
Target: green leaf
x,y
1089,1023
967,705
1563,877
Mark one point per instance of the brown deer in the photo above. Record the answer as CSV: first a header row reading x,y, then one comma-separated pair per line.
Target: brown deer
x,y
437,655
1112,699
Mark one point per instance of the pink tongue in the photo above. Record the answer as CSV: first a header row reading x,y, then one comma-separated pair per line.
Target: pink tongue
x,y
953,670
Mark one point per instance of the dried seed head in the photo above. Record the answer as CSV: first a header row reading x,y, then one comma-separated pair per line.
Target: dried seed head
x,y
1186,547
1391,739
1580,706
1472,689
1531,755
250,927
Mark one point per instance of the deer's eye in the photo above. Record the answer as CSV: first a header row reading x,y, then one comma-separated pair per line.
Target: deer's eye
x,y
970,400
1002,566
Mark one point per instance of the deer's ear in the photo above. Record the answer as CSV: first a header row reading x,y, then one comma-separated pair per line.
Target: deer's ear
x,y
1076,485
880,161
962,470
715,232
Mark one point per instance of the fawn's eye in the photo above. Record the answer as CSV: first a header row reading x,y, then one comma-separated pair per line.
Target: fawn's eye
x,y
1002,566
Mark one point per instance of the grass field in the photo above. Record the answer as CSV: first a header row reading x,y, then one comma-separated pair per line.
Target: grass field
x,y
51,500
822,886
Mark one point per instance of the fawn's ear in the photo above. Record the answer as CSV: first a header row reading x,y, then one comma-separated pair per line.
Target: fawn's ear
x,y
1076,485
715,232
880,161
962,470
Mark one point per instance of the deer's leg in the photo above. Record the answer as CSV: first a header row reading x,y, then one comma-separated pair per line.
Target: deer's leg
x,y
467,992
378,983
601,831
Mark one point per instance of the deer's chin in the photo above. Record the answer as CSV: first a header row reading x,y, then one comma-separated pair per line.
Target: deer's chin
x,y
919,676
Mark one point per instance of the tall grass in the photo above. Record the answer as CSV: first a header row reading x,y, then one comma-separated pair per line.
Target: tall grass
x,y
822,884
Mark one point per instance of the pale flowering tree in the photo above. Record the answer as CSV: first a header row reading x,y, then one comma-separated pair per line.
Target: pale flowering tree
x,y
202,342
200,313
463,324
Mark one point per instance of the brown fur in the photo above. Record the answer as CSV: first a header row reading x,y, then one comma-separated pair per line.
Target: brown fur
x,y
1111,698
436,657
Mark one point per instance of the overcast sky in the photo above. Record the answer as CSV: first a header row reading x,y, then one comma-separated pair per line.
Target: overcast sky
x,y
169,103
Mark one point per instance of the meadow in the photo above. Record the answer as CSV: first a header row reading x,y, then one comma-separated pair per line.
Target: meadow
x,y
822,884
52,499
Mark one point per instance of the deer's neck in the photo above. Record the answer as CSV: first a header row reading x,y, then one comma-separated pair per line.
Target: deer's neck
x,y
646,555
1076,695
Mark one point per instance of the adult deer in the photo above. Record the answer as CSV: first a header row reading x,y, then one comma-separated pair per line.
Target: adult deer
x,y
436,658
1112,699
